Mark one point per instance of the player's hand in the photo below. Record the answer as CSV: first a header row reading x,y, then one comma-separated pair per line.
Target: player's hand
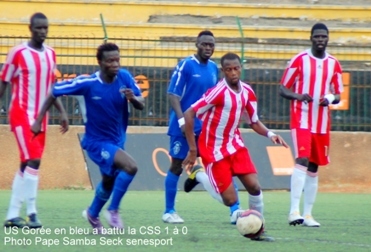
x,y
129,94
36,128
190,160
323,102
305,98
277,139
64,123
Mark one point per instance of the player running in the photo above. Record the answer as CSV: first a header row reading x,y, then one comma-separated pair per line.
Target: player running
x,y
106,94
220,143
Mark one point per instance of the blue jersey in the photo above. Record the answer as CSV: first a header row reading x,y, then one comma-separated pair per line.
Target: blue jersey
x,y
190,80
107,110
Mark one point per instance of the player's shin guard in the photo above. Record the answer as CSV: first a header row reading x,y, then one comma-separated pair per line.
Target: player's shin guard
x,y
171,184
31,182
297,185
256,202
310,192
101,197
120,187
16,199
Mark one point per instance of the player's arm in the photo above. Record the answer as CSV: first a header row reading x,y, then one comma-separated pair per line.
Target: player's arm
x,y
132,92
49,101
189,116
288,80
175,91
63,120
336,87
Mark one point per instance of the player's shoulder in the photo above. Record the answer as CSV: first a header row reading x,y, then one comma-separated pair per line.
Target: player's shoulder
x,y
330,56
218,88
301,54
246,86
18,48
49,48
213,63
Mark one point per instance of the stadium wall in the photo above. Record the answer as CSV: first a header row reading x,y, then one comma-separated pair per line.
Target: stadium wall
x,y
63,165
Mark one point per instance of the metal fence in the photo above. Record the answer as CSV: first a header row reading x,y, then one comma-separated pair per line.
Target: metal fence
x,y
152,62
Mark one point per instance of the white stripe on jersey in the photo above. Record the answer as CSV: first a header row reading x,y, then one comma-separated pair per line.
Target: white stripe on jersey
x,y
75,82
32,85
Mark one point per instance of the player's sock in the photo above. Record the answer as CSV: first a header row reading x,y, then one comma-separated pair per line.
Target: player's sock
x,y
297,185
16,199
101,197
310,192
171,184
205,181
120,187
31,182
256,202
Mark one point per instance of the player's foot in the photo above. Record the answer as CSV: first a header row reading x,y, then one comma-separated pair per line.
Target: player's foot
x,y
172,218
33,221
15,222
113,218
310,222
235,215
295,219
94,222
191,181
263,237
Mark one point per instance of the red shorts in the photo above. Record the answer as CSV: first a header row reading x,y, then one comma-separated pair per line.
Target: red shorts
x,y
220,173
30,146
311,145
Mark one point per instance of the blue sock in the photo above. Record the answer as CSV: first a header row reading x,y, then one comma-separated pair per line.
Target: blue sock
x,y
236,205
120,187
171,184
100,198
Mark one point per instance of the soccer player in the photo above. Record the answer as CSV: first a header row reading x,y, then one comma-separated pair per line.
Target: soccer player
x,y
29,68
220,143
191,78
106,94
312,81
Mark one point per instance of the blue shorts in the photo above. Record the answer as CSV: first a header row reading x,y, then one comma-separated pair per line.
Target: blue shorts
x,y
103,155
179,147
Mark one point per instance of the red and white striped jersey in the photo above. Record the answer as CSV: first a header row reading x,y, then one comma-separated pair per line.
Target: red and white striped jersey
x,y
220,110
31,74
316,77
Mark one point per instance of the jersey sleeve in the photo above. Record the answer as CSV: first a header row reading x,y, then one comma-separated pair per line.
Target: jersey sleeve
x,y
291,72
178,79
251,108
9,69
208,100
337,79
76,86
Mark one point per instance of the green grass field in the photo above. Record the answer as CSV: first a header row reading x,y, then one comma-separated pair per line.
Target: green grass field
x,y
345,220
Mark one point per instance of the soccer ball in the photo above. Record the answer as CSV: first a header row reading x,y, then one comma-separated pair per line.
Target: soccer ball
x,y
250,224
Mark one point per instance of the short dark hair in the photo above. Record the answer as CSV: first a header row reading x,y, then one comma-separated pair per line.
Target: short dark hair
x,y
36,16
319,26
229,56
107,47
206,33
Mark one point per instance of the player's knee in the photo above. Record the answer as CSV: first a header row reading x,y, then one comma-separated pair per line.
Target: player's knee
x,y
312,167
108,183
230,201
254,189
131,169
302,161
176,166
34,163
103,193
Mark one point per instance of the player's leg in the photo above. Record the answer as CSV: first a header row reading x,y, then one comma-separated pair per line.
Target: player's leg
x,y
178,151
102,194
198,175
302,145
13,218
319,156
31,148
126,170
245,170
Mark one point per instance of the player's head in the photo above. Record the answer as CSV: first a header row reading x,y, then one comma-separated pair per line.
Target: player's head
x,y
108,56
205,45
319,37
38,27
231,67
